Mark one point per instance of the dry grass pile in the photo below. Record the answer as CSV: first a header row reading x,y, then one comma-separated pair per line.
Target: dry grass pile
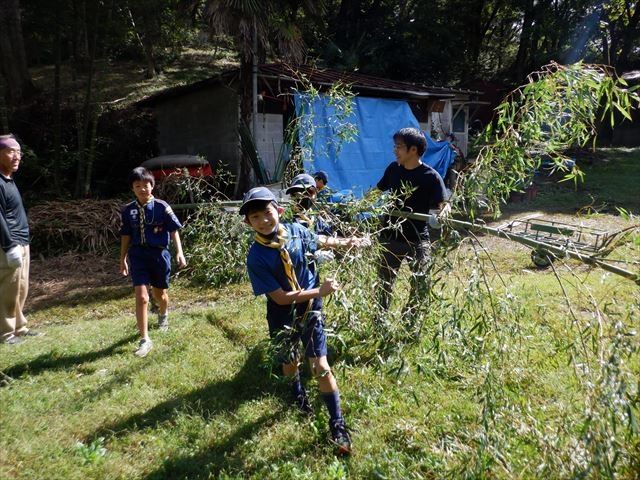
x,y
75,225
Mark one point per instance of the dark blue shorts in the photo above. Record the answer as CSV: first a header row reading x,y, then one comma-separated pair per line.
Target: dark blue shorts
x,y
150,266
287,332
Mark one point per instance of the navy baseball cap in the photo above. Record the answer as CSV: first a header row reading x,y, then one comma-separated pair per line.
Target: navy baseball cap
x,y
254,195
300,183
321,175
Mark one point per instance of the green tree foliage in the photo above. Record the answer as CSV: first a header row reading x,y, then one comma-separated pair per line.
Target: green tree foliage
x,y
431,41
448,41
559,107
620,33
16,81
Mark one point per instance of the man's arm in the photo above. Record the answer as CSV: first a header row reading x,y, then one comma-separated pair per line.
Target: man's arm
x,y
6,242
338,242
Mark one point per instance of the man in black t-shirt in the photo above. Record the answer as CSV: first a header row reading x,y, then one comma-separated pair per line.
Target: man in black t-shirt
x,y
14,247
419,188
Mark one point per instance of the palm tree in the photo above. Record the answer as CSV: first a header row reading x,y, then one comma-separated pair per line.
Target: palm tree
x,y
267,26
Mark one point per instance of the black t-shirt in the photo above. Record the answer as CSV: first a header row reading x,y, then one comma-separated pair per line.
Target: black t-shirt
x,y
14,227
428,193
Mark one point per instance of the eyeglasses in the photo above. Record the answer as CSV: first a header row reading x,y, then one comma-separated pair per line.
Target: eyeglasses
x,y
13,151
398,146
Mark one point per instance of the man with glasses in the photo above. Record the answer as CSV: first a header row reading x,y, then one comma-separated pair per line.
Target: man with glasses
x,y
14,247
418,188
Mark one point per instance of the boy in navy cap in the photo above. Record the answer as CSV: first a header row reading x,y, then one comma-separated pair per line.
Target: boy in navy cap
x,y
278,268
304,192
147,224
322,179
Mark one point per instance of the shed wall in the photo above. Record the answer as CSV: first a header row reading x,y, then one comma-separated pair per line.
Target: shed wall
x,y
201,123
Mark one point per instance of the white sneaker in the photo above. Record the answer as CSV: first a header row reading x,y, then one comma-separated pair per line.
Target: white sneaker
x,y
163,323
144,347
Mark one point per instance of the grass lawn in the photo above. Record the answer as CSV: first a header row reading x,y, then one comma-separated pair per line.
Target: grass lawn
x,y
515,374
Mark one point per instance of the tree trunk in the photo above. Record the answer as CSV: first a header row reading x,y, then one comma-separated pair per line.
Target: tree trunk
x,y
57,117
4,118
246,112
91,154
19,85
81,53
522,58
152,70
348,22
83,124
144,39
477,35
627,36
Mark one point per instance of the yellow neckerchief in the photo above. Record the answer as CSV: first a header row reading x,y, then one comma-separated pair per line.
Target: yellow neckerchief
x,y
278,242
143,238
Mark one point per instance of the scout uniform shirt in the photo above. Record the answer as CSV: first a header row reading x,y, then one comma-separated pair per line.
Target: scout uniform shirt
x,y
149,225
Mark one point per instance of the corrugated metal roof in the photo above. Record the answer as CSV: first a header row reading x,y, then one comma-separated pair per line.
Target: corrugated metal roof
x,y
326,76
319,77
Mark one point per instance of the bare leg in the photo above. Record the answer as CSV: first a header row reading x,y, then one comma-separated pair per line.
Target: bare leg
x,y
142,316
320,369
161,296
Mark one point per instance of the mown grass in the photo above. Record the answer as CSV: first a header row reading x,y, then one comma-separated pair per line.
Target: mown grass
x,y
501,400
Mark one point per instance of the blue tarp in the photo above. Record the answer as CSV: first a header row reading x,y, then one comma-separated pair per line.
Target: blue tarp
x,y
358,165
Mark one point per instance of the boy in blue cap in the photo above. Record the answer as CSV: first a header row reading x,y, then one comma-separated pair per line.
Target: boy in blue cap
x,y
321,179
304,192
278,269
147,225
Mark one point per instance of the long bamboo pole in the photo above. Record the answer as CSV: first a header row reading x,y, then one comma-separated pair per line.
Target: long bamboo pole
x,y
474,227
557,251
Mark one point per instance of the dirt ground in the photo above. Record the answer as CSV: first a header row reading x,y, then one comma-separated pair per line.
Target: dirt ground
x,y
71,274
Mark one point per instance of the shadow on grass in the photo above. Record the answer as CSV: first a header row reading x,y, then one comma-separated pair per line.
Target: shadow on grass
x,y
98,295
250,383
210,462
223,457
50,361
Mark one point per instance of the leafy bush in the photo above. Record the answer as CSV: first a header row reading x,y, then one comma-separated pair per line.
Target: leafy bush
x,y
216,244
215,237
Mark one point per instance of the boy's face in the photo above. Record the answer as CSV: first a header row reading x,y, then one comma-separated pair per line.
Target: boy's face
x,y
265,222
142,190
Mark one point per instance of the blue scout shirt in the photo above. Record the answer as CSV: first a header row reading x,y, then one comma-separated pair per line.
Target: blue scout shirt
x,y
320,227
266,270
159,222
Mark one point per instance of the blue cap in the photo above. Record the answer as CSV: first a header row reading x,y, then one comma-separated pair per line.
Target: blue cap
x,y
321,175
300,183
254,195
